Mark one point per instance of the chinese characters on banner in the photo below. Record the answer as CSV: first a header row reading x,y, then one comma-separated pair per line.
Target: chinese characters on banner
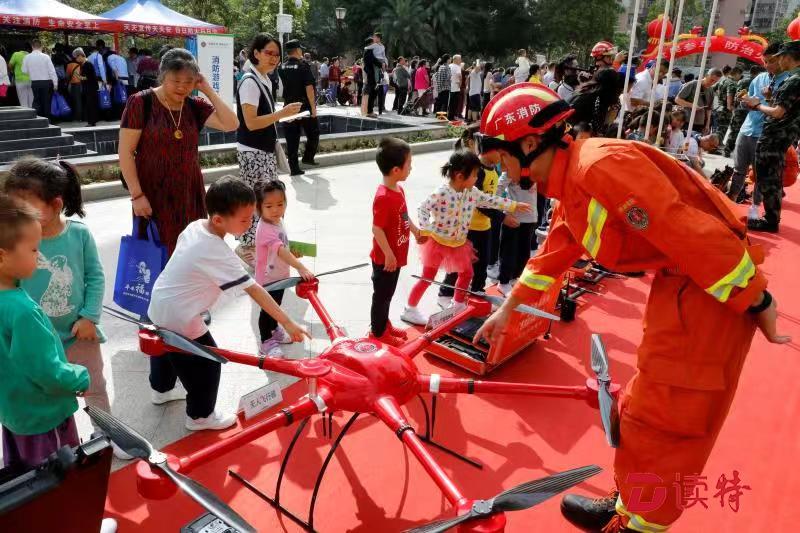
x,y
214,53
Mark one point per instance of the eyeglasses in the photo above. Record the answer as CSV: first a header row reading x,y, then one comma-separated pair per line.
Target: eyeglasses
x,y
271,54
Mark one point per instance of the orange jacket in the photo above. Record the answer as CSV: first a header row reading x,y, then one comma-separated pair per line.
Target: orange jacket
x,y
633,207
791,168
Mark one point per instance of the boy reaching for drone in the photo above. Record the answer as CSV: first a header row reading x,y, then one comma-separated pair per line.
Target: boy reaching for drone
x,y
201,269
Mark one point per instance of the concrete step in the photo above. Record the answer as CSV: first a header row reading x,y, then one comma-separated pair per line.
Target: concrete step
x,y
42,142
71,150
16,113
24,124
8,135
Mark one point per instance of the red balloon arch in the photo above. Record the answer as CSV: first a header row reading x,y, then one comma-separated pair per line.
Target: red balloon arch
x,y
746,45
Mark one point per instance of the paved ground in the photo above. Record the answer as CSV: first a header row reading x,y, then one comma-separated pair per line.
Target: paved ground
x,y
330,206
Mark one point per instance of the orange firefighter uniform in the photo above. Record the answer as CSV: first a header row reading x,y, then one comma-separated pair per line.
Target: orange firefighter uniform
x,y
632,207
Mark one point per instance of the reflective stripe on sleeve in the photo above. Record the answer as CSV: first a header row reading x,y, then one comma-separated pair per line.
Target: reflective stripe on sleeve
x,y
636,522
538,282
596,216
738,277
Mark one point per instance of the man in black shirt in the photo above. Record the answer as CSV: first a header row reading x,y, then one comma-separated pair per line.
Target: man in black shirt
x,y
298,86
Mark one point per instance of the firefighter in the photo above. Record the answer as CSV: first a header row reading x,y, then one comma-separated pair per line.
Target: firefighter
x,y
632,207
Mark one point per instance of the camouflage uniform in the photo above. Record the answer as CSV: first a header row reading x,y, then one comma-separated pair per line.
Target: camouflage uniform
x,y
775,139
739,113
721,111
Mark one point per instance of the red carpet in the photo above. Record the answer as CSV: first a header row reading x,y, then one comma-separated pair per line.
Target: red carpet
x,y
373,485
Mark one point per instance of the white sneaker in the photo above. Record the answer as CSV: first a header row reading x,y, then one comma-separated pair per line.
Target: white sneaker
x,y
412,315
281,337
445,301
159,398
753,213
493,271
119,453
108,525
505,288
458,306
215,420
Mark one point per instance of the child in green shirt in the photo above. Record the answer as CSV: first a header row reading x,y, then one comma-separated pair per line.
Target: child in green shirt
x,y
68,283
37,397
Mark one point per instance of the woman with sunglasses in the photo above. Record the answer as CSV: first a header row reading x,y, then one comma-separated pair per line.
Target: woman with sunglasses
x,y
257,135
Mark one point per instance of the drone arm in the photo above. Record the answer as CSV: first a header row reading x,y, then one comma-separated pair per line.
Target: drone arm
x,y
388,410
301,409
308,290
412,348
435,384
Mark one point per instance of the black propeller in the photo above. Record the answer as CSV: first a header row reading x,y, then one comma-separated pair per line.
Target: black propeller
x,y
609,411
519,498
176,340
494,300
136,445
288,283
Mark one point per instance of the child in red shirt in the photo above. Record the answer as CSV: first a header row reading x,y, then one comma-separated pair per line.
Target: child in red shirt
x,y
390,228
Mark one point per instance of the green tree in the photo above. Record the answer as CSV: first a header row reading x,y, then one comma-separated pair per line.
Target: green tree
x,y
403,32
575,27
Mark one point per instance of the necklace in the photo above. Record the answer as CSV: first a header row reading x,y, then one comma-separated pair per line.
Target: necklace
x,y
178,134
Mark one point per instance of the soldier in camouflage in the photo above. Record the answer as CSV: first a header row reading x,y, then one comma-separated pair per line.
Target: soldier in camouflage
x,y
739,112
781,128
721,110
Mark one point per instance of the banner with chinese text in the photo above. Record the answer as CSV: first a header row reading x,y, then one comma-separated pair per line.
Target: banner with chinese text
x,y
214,53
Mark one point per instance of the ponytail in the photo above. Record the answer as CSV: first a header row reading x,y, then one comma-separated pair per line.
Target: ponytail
x,y
48,181
461,162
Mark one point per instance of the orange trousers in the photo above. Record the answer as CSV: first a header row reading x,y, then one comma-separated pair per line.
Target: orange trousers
x,y
689,364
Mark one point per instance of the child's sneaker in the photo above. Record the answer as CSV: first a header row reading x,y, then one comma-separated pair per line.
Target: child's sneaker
x,y
215,420
280,336
175,394
396,332
271,348
493,271
458,306
444,301
386,338
753,212
505,288
413,315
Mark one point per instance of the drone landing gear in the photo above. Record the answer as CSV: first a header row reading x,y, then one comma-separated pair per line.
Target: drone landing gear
x,y
430,424
275,502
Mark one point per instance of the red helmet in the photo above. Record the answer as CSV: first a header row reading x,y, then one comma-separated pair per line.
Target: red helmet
x,y
603,48
523,109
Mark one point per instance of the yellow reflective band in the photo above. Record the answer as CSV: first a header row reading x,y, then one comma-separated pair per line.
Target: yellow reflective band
x,y
596,216
538,282
738,277
636,522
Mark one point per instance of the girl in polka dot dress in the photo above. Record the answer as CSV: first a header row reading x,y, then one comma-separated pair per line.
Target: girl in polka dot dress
x,y
444,219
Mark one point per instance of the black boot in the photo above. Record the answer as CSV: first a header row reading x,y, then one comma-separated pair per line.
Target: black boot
x,y
587,513
762,224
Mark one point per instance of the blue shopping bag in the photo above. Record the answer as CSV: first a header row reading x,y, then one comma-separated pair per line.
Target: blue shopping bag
x,y
59,107
103,99
120,93
141,260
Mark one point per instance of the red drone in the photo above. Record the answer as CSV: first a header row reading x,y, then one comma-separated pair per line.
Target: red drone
x,y
360,376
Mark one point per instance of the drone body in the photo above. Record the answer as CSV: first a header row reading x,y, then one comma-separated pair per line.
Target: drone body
x,y
366,376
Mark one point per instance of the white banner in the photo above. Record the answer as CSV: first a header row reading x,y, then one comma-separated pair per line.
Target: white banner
x,y
215,57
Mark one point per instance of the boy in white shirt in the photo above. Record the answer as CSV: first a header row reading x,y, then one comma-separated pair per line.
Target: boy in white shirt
x,y
201,269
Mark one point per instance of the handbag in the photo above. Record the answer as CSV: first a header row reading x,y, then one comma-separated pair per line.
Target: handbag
x,y
59,107
141,260
103,99
120,93
3,91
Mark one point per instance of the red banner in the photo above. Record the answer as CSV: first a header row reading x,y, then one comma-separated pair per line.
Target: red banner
x,y
157,29
748,49
60,24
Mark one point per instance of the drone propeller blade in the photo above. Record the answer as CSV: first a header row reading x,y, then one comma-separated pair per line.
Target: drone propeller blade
x,y
124,316
519,498
345,269
609,414
599,357
288,283
120,434
134,444
441,525
207,499
494,300
176,340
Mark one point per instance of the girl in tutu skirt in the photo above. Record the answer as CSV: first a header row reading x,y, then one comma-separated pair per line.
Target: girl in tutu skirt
x,y
444,222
